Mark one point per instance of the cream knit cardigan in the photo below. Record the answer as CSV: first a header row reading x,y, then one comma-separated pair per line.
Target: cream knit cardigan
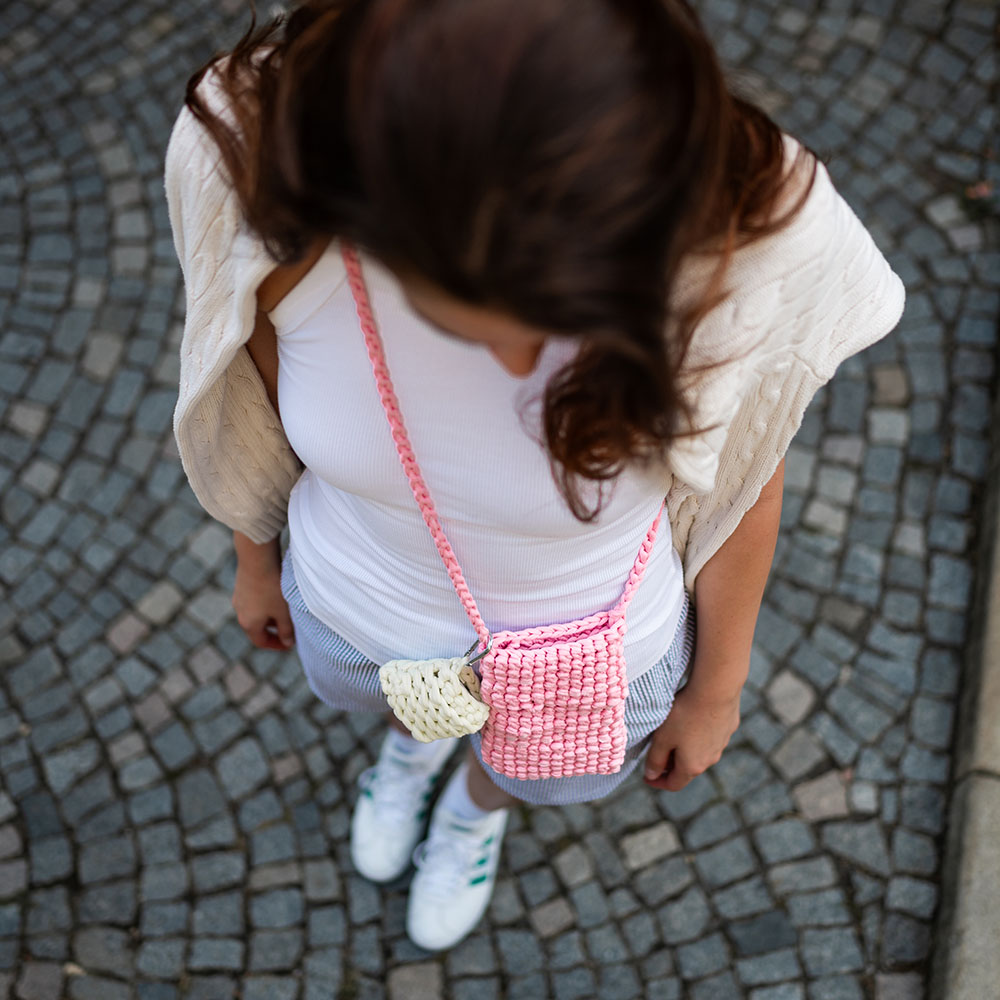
x,y
799,303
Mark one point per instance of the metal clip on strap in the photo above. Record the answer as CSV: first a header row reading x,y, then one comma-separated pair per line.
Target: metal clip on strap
x,y
470,659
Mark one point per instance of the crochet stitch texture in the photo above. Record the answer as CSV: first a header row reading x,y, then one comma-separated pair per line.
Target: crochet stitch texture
x,y
434,699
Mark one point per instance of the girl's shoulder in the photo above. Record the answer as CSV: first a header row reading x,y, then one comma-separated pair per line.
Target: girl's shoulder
x,y
204,209
818,278
194,170
283,280
798,302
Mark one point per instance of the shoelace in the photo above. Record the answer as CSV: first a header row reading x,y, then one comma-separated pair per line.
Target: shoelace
x,y
450,852
396,789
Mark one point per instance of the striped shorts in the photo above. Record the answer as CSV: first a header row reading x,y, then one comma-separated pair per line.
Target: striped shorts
x,y
346,679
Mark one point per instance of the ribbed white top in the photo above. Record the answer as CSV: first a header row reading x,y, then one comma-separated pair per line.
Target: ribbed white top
x,y
798,303
363,557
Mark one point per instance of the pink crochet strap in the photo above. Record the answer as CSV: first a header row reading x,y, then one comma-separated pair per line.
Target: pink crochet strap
x,y
639,566
421,494
402,441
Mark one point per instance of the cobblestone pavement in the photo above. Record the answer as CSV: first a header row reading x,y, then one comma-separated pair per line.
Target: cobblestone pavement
x,y
174,804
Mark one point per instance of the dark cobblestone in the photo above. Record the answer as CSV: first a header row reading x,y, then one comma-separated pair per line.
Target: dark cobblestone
x,y
765,933
164,823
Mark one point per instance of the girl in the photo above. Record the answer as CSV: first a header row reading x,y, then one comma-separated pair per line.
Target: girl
x,y
595,278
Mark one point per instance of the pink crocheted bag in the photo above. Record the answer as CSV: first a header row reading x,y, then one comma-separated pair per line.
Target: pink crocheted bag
x,y
556,692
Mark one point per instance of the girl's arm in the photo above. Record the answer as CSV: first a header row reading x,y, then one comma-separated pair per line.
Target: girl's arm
x,y
728,592
260,609
263,343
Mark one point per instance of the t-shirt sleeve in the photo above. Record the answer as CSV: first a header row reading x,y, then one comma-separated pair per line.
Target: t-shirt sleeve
x,y
801,301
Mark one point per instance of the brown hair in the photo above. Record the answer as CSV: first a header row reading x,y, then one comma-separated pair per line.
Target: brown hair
x,y
551,159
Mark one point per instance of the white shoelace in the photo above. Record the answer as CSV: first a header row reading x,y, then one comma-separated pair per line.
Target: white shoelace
x,y
448,855
397,788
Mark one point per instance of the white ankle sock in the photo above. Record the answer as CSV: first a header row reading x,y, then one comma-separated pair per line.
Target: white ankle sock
x,y
456,798
405,746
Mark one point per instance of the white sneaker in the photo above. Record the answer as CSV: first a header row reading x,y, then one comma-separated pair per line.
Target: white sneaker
x,y
456,869
391,809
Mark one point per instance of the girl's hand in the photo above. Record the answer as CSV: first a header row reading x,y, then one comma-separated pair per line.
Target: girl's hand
x,y
261,609
727,595
691,739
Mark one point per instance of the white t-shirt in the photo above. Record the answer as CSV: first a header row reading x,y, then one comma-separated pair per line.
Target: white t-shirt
x,y
364,560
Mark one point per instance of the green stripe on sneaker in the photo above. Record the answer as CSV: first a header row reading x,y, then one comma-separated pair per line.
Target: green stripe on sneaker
x,y
478,879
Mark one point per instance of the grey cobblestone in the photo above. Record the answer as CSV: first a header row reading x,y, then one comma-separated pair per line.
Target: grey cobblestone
x,y
772,967
269,988
797,755
275,950
590,904
770,801
703,957
819,908
784,840
825,952
164,919
726,862
214,853
215,954
685,919
219,914
786,991
640,933
619,982
711,826
327,926
863,843
764,933
573,984
242,768
218,870
537,886
519,952
905,940
743,899
104,949
716,988
278,908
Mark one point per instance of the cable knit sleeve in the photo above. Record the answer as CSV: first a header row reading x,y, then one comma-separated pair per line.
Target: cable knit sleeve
x,y
801,302
231,443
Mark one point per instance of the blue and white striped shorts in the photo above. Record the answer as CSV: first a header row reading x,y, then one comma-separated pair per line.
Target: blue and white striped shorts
x,y
346,679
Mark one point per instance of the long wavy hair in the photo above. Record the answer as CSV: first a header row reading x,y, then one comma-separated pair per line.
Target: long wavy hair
x,y
554,160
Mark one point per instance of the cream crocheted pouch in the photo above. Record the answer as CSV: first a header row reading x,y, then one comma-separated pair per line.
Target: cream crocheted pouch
x,y
435,698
